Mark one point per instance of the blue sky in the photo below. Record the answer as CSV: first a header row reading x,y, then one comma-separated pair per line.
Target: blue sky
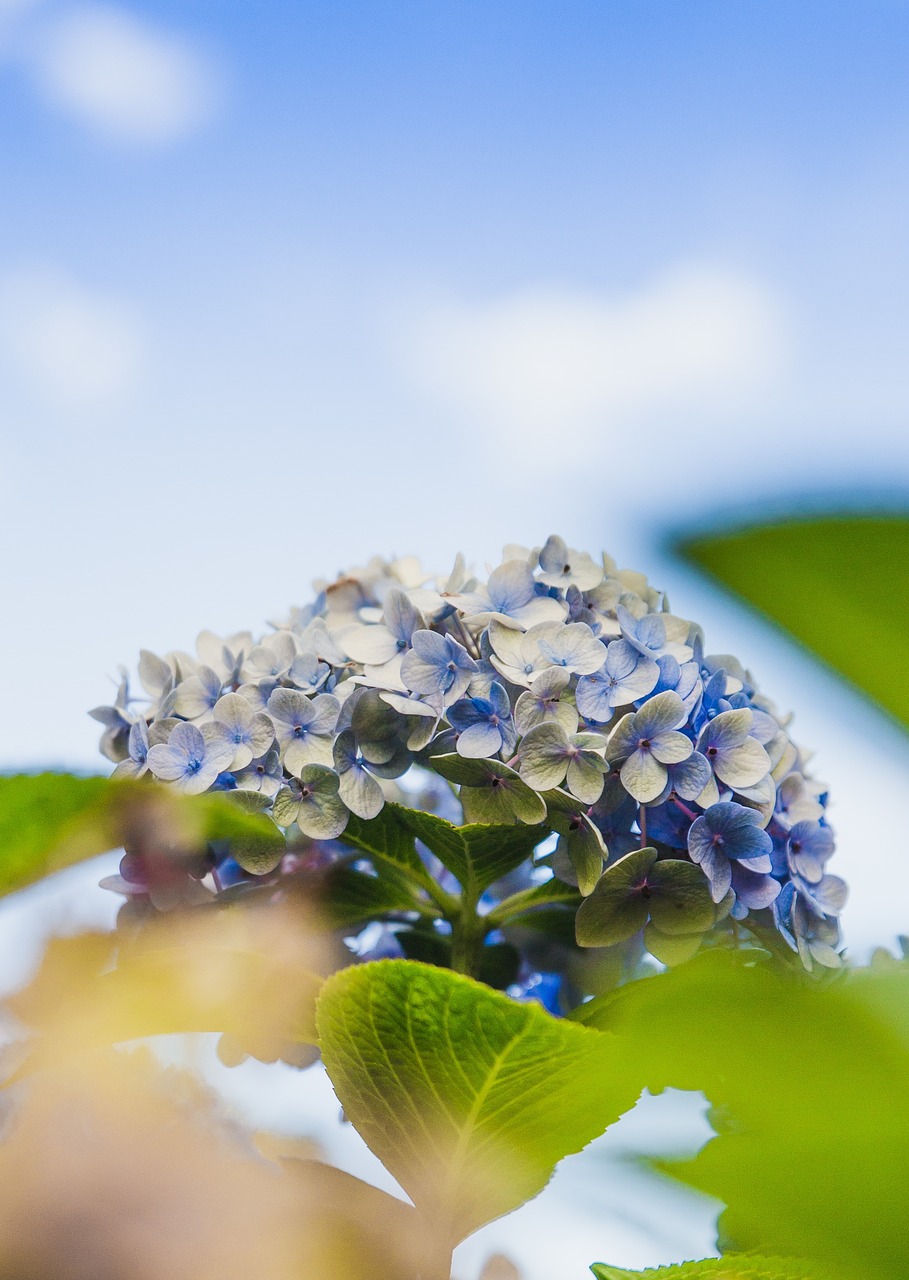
x,y
286,285
283,286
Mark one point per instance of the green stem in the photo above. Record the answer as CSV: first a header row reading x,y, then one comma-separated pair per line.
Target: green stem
x,y
468,932
526,900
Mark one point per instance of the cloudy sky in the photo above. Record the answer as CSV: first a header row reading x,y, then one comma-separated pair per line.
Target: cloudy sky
x,y
285,285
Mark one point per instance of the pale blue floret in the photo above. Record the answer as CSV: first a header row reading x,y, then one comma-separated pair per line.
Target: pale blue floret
x,y
136,764
680,678
809,849
437,666
511,594
729,833
737,759
646,741
304,727
357,788
485,726
196,696
192,758
624,677
563,567
572,646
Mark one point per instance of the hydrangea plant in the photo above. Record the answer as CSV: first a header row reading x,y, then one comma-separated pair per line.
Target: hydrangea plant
x,y
539,778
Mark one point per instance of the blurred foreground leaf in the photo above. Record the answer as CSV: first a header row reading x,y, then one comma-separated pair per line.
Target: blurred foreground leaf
x,y
114,1167
810,1086
52,820
745,1267
251,972
468,1098
836,583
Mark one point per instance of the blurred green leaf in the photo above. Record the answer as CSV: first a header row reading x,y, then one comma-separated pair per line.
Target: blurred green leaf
x,y
742,1267
812,1085
52,820
467,1097
253,972
835,583
48,821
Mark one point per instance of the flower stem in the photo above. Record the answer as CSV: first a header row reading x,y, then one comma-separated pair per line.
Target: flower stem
x,y
689,813
468,932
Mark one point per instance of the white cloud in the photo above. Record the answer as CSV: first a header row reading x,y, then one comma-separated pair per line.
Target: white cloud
x,y
698,338
129,81
78,348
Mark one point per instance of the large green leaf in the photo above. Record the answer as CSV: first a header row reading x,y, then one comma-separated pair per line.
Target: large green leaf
x,y
477,854
52,820
386,837
467,1097
352,897
836,583
811,1082
742,1267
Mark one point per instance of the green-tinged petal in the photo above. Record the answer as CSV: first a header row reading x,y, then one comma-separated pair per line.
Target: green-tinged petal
x,y
617,908
361,793
544,756
643,777
584,846
743,766
585,777
680,900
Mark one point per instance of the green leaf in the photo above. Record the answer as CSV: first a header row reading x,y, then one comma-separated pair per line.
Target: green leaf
x,y
732,1267
387,838
53,820
49,821
528,901
467,1097
812,1083
477,854
351,897
834,583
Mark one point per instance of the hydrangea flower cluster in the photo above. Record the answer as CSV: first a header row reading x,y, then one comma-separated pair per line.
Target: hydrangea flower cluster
x,y
559,692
